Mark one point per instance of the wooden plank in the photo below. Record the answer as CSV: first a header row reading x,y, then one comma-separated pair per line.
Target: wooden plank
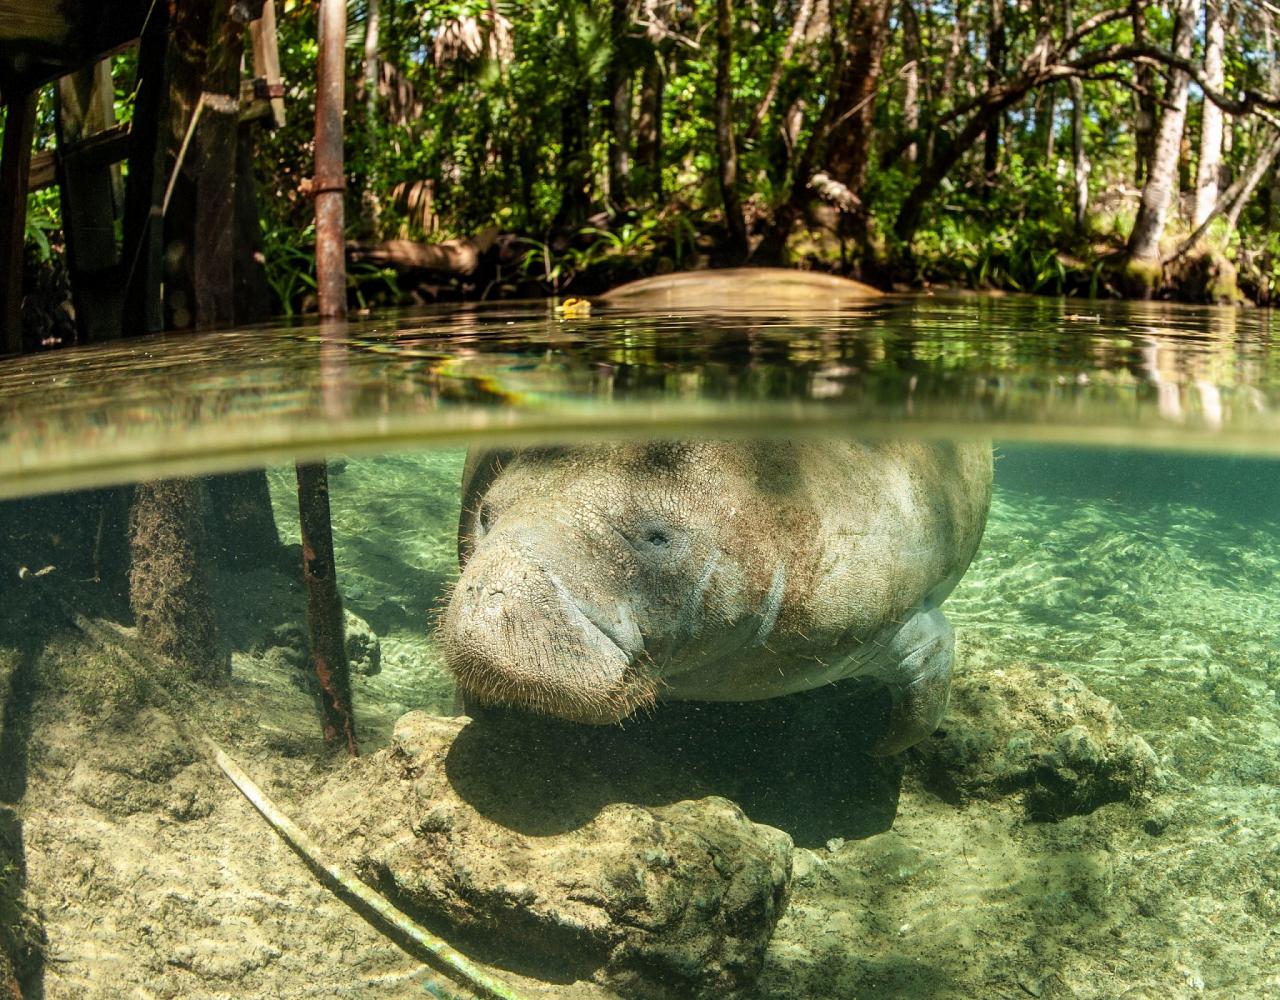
x,y
15,166
213,251
34,52
89,203
266,60
111,146
43,172
33,21
144,188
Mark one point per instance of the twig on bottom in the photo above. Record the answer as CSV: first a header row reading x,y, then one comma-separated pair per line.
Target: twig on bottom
x,y
369,902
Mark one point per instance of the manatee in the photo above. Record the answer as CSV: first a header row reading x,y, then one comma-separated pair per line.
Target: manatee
x,y
737,288
598,579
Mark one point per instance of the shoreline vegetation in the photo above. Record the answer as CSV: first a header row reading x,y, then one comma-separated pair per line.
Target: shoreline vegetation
x,y
564,147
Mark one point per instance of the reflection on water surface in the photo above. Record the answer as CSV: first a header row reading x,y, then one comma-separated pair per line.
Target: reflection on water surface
x,y
1029,368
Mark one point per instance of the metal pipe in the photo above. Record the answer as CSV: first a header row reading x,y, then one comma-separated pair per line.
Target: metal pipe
x,y
324,608
330,182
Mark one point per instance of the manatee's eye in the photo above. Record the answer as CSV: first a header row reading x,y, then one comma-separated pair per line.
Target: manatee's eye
x,y
657,537
484,517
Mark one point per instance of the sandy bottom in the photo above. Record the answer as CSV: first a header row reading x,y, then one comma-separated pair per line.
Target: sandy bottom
x,y
152,877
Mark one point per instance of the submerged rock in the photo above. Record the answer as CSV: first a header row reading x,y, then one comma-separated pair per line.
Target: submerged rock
x,y
1040,733
289,645
672,900
363,648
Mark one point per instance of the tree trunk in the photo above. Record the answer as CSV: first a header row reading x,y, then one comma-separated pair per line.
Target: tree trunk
x,y
172,606
1249,181
913,52
939,165
798,28
253,295
841,140
1144,241
1232,201
726,152
90,203
1046,124
1209,168
371,207
201,140
372,29
330,178
649,127
1273,76
618,86
575,159
1144,120
214,255
995,73
1079,158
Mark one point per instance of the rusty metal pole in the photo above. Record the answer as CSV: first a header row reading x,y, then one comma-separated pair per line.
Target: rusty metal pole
x,y
324,608
324,604
330,183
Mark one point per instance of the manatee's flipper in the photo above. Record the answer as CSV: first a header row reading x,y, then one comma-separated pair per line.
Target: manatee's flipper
x,y
919,679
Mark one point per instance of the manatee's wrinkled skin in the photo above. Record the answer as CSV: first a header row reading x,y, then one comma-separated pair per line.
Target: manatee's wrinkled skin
x,y
599,578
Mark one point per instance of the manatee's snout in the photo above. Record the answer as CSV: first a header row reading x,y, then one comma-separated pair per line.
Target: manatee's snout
x,y
515,633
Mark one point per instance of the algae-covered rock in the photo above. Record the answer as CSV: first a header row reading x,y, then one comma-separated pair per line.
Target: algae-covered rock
x,y
673,900
1039,733
288,645
364,652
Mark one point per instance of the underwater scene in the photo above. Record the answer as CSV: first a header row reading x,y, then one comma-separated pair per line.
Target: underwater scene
x,y
813,699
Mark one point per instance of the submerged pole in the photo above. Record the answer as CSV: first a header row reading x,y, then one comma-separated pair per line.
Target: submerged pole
x,y
324,607
330,184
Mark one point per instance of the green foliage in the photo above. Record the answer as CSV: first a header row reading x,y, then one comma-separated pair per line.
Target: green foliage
x,y
44,221
498,114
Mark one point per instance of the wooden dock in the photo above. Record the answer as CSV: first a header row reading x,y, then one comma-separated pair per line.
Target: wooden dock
x,y
189,54
41,40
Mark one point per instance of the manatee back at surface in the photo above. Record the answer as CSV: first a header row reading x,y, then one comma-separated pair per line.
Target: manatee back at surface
x,y
741,288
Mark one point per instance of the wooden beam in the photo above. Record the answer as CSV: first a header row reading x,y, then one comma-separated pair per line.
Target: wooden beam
x,y
213,251
111,146
33,21
40,36
144,188
266,60
15,167
90,202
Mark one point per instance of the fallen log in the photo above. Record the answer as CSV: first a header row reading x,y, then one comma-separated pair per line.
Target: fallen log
x,y
453,257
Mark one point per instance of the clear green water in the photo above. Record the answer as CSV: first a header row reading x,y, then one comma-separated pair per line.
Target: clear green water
x,y
1098,815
